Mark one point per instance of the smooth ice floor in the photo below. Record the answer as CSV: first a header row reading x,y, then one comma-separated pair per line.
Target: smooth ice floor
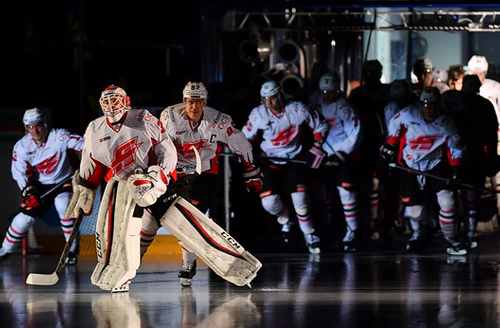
x,y
385,287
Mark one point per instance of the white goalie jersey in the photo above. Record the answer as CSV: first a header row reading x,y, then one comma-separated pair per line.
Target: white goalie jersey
x,y
215,130
424,145
117,150
49,164
282,135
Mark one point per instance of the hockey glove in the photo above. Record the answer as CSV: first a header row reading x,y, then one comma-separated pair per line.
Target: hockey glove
x,y
30,198
252,178
389,153
82,198
315,157
147,187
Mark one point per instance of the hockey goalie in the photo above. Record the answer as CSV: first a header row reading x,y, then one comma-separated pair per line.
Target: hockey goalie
x,y
130,150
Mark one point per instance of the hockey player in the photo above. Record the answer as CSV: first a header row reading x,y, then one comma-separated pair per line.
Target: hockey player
x,y
193,124
423,139
369,101
490,89
340,146
478,126
131,151
422,69
41,159
281,127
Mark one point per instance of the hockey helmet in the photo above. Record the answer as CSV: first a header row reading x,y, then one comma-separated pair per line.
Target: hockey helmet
x,y
439,74
472,84
422,65
33,116
114,102
429,94
195,90
478,63
372,69
399,89
269,89
329,82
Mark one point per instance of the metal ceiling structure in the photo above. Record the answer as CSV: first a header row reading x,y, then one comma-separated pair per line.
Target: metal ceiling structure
x,y
365,19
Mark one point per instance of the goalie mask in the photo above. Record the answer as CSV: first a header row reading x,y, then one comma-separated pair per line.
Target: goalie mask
x,y
114,103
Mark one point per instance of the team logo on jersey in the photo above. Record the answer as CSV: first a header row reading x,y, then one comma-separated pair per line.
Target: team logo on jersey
x,y
424,143
284,137
125,155
188,152
332,122
49,165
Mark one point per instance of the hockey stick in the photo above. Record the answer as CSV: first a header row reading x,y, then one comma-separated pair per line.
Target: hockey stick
x,y
289,160
464,185
47,193
53,278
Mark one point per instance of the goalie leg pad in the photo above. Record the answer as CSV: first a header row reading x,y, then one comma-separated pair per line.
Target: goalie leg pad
x,y
200,235
117,238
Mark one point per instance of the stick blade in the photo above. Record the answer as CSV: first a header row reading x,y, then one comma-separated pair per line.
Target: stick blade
x,y
42,279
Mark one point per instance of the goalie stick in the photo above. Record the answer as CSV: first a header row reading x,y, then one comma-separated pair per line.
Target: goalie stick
x,y
53,278
464,185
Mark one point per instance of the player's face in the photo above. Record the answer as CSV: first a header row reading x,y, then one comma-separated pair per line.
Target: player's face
x,y
330,97
429,110
458,84
194,108
427,78
37,131
273,103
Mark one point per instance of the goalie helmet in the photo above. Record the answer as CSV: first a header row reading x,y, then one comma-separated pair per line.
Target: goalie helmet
x,y
33,116
329,82
195,90
478,63
269,89
114,103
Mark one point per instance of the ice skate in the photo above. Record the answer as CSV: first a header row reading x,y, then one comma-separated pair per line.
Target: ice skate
x,y
312,243
187,272
456,248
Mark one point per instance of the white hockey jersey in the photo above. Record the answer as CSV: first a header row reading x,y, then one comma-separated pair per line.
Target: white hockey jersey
x,y
490,90
282,133
208,137
423,145
344,127
49,164
117,150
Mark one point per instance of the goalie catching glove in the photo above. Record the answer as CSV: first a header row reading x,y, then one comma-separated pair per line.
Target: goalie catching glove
x,y
147,187
82,198
252,177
